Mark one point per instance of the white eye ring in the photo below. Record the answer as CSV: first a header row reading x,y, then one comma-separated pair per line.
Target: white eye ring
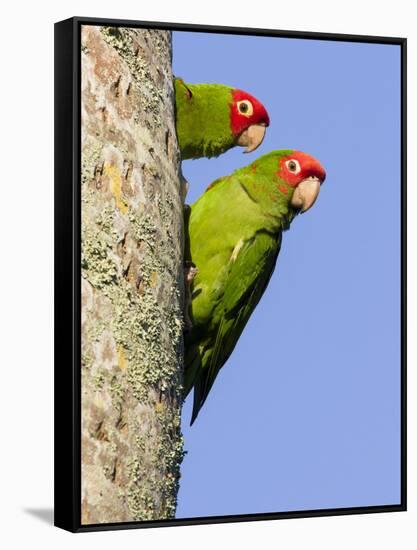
x,y
293,166
245,107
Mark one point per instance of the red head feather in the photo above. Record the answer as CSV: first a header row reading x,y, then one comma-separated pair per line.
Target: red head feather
x,y
246,110
297,166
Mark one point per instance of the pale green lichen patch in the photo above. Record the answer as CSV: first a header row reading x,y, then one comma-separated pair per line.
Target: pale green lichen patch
x,y
165,458
90,161
97,262
123,41
144,320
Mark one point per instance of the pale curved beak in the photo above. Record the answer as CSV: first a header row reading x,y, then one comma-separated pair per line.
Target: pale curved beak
x,y
306,193
252,137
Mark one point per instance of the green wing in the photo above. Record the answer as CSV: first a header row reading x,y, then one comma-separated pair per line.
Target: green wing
x,y
250,269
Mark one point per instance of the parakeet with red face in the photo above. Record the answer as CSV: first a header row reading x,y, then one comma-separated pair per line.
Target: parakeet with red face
x,y
234,233
212,118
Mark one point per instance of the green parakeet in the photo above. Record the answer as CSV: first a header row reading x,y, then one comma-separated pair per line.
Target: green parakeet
x,y
234,237
212,118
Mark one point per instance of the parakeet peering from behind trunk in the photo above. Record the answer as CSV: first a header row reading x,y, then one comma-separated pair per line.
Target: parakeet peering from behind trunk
x,y
234,237
212,118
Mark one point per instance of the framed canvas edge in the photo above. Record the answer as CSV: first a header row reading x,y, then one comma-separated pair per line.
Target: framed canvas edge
x,y
219,29
67,291
67,376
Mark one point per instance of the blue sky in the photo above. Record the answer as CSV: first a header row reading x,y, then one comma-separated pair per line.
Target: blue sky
x,y
306,412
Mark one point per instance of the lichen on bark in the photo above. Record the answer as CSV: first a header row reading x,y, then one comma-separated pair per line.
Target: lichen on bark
x,y
132,349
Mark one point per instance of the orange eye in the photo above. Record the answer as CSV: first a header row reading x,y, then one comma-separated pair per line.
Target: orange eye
x,y
293,166
245,107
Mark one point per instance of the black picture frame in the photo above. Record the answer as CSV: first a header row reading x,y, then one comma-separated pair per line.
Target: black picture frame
x,y
67,273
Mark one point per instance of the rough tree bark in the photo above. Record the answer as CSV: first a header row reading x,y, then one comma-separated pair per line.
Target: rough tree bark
x,y
132,277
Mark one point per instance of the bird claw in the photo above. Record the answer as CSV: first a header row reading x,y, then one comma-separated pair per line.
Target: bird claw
x,y
190,271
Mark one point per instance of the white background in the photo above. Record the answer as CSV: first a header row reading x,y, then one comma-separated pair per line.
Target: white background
x,y
26,186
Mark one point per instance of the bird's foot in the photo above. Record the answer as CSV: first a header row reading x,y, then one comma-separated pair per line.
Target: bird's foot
x,y
190,271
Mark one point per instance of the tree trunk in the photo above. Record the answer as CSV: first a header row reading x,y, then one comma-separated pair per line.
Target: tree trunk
x,y
132,278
